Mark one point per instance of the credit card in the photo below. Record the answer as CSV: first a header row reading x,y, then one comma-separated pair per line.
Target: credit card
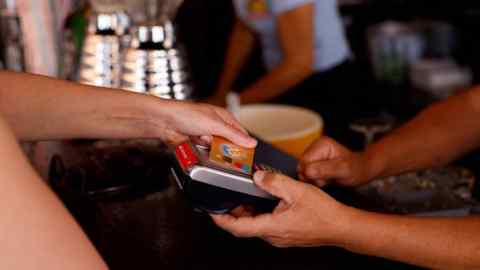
x,y
231,156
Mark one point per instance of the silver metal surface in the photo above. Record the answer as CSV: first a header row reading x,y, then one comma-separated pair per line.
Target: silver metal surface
x,y
107,36
175,176
116,22
101,61
153,64
13,46
228,181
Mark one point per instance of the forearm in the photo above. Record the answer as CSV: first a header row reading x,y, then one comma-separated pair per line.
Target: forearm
x,y
39,108
36,232
437,243
239,48
439,135
278,81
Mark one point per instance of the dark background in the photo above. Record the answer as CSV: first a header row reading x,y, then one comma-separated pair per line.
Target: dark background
x,y
205,26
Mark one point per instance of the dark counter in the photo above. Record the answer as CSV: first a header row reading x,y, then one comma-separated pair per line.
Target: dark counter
x,y
154,227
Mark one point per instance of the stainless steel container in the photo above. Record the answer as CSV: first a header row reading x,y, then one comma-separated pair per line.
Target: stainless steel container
x,y
13,52
102,52
155,65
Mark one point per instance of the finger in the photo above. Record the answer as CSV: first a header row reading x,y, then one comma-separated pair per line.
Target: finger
x,y
324,170
244,226
234,135
230,119
320,183
278,185
199,141
319,150
207,139
175,138
233,122
242,211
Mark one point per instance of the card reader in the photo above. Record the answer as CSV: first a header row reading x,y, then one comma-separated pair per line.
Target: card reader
x,y
218,179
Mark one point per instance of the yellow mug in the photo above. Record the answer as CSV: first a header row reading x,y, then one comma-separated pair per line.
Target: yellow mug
x,y
290,129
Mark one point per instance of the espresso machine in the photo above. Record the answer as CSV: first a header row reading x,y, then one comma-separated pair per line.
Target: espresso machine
x,y
107,35
155,62
132,45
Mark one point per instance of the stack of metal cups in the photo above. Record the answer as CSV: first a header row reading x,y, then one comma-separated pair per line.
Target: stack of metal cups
x,y
12,50
155,65
102,51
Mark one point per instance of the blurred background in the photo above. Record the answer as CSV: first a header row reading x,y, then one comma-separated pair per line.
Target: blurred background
x,y
404,55
394,44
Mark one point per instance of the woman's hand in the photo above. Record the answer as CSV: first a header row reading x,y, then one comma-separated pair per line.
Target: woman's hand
x,y
306,216
327,161
185,119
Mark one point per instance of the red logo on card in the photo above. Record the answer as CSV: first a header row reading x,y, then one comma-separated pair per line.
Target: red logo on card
x,y
186,155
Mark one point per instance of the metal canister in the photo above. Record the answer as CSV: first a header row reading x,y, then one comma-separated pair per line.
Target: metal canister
x,y
155,64
102,51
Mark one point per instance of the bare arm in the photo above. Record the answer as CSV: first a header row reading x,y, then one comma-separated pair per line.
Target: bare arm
x,y
36,232
39,108
439,135
438,243
295,29
239,48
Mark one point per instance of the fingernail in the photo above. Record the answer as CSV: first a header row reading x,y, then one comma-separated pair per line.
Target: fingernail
x,y
252,142
259,175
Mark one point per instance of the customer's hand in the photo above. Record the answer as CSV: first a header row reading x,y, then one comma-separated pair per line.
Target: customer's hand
x,y
306,216
327,161
201,120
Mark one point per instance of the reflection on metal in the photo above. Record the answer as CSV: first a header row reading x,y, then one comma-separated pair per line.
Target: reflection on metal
x,y
101,54
153,64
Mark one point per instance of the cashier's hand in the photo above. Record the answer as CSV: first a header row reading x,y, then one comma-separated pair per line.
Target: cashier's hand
x,y
186,119
306,216
326,161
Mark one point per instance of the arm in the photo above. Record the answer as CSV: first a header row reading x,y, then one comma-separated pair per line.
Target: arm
x,y
436,243
35,230
295,29
239,48
39,108
437,136
429,242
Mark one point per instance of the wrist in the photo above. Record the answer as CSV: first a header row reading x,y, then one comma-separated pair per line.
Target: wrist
x,y
352,229
156,114
346,227
374,164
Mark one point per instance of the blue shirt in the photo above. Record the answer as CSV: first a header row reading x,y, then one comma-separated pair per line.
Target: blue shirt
x,y
331,45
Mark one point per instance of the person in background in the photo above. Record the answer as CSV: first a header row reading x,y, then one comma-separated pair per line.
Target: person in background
x,y
306,54
36,231
306,216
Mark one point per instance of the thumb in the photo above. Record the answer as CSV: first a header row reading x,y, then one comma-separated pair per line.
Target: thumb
x,y
319,150
278,185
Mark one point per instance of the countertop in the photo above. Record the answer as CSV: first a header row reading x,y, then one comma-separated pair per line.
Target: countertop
x,y
156,228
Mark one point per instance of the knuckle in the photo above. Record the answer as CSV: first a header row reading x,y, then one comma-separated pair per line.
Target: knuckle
x,y
312,172
269,178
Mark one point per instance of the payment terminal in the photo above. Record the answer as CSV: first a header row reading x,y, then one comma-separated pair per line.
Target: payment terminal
x,y
219,178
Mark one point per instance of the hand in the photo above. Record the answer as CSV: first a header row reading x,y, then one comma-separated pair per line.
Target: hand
x,y
327,161
202,120
305,216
